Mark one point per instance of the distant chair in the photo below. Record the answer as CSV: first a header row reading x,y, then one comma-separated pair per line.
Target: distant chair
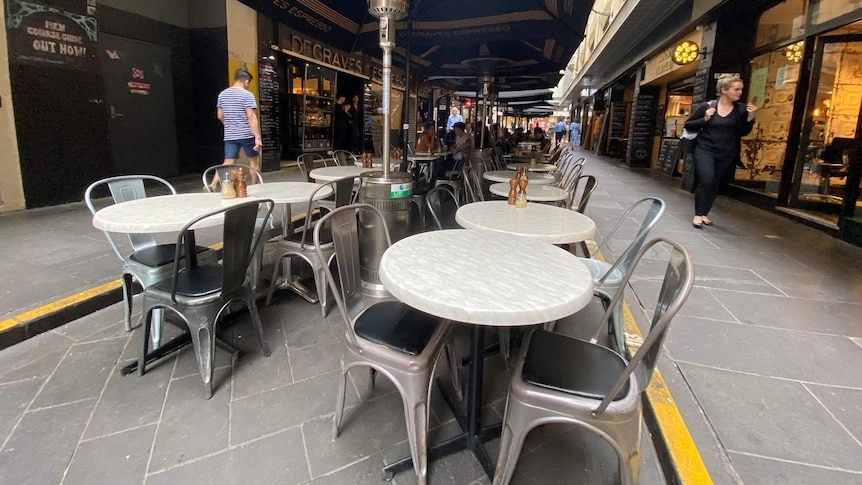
x,y
560,379
224,174
590,184
306,163
442,205
472,185
344,158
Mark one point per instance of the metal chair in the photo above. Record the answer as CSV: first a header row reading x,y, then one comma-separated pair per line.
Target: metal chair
x,y
607,278
306,162
223,172
472,185
299,244
440,201
389,337
344,158
581,207
200,295
560,379
148,262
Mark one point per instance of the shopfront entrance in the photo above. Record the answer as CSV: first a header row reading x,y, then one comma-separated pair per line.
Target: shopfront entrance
x,y
826,174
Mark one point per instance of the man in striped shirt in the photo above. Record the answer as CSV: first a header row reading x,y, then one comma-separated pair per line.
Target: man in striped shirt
x,y
236,110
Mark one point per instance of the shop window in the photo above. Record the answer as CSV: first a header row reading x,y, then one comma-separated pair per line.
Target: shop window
x,y
823,11
782,22
678,110
772,88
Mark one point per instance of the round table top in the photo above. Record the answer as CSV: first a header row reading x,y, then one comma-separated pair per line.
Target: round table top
x,y
422,157
472,276
539,167
530,143
377,162
547,223
288,192
328,174
165,213
506,175
538,193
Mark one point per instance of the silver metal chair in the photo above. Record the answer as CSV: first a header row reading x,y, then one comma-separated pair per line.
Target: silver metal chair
x,y
472,184
199,295
306,162
223,172
560,379
607,278
389,337
344,158
442,204
298,243
148,262
590,184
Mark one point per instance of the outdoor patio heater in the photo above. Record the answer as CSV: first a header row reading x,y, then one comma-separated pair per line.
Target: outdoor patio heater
x,y
389,192
485,68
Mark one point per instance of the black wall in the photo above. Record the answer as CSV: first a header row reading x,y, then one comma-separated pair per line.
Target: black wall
x,y
210,72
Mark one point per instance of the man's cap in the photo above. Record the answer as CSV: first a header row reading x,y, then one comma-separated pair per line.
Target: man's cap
x,y
459,124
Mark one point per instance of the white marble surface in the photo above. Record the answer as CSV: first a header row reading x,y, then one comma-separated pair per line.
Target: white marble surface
x,y
377,162
328,174
539,167
166,213
288,192
486,278
538,193
546,223
506,175
419,157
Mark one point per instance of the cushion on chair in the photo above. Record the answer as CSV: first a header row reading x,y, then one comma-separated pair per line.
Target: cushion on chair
x,y
200,281
572,366
397,326
159,255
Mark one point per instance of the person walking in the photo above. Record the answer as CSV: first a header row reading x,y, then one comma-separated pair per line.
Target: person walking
x,y
575,133
720,129
560,129
237,111
454,117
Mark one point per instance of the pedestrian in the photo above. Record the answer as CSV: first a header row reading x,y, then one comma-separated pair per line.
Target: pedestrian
x,y
575,133
560,129
356,125
237,112
343,127
454,117
720,127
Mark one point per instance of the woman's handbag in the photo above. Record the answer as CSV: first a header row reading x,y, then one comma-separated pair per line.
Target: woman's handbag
x,y
686,151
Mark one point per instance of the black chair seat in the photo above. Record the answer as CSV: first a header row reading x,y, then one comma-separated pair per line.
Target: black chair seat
x,y
201,281
159,255
573,366
325,236
397,326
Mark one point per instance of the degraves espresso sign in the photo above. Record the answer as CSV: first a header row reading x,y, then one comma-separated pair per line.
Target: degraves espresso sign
x,y
45,35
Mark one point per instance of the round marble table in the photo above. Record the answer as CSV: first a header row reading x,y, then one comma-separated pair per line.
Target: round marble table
x,y
506,175
538,167
547,223
377,162
538,193
288,192
328,174
166,213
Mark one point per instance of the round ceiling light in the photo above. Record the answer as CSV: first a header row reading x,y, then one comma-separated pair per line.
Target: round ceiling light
x,y
685,53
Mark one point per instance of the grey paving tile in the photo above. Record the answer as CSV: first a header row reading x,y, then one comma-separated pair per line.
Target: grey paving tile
x,y
792,313
93,326
817,285
755,469
82,373
305,328
25,285
771,417
129,401
14,399
749,260
825,359
42,445
365,472
192,426
119,458
316,359
700,302
845,404
43,366
187,364
288,406
275,459
252,372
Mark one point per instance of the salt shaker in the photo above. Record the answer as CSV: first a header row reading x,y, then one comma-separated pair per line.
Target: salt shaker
x,y
521,199
227,189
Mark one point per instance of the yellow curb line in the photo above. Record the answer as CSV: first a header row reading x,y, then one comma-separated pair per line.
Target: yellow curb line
x,y
683,453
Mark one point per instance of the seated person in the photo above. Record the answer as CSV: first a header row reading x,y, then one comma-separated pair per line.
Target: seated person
x,y
428,140
539,135
460,149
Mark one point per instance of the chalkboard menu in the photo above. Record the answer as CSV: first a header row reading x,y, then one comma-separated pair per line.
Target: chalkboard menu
x,y
659,120
642,127
268,99
701,79
618,120
668,155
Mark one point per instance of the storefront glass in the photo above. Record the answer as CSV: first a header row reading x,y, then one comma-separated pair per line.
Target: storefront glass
x,y
823,11
782,22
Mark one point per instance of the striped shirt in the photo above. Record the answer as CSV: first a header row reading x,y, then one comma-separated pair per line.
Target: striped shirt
x,y
233,102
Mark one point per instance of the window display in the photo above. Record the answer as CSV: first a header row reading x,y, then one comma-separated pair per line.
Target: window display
x,y
312,102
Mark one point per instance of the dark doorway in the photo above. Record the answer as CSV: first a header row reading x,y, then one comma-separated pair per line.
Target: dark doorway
x,y
140,104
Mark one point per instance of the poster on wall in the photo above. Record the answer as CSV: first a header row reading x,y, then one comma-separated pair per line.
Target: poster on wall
x,y
53,33
757,90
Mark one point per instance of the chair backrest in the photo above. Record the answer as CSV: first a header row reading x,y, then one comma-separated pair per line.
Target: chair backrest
x,y
676,286
442,204
473,190
223,171
344,224
343,158
306,162
590,183
411,148
241,235
570,169
654,212
343,191
125,188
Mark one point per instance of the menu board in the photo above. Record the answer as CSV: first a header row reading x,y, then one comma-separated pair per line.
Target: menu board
x,y
642,127
268,102
701,79
668,155
618,120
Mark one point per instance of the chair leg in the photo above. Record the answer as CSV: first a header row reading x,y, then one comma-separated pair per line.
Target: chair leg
x,y
585,249
272,281
452,360
127,301
320,282
511,442
416,414
339,404
373,377
503,335
258,327
203,339
158,320
145,338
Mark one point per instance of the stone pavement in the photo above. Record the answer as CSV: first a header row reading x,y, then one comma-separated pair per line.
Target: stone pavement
x,y
764,362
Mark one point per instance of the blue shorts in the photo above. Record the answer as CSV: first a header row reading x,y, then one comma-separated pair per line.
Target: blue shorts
x,y
231,148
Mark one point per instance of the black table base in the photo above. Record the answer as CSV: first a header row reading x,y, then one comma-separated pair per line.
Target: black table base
x,y
473,435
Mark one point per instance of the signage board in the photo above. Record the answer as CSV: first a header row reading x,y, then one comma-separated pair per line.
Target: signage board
x,y
45,35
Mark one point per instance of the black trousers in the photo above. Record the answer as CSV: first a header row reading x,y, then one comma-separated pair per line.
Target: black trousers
x,y
559,136
710,171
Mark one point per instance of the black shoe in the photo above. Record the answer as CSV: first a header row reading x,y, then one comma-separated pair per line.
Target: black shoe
x,y
696,225
707,222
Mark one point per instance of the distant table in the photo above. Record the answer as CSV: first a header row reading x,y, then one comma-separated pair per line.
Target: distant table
x,y
482,271
165,213
506,175
537,193
538,167
377,162
329,174
548,223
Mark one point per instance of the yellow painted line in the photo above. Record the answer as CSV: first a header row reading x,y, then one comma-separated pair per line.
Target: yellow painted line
x,y
8,324
684,455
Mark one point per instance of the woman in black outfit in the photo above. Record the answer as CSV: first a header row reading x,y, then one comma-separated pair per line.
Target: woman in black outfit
x,y
718,143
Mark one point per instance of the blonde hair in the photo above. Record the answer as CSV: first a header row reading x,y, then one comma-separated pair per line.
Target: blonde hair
x,y
725,81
